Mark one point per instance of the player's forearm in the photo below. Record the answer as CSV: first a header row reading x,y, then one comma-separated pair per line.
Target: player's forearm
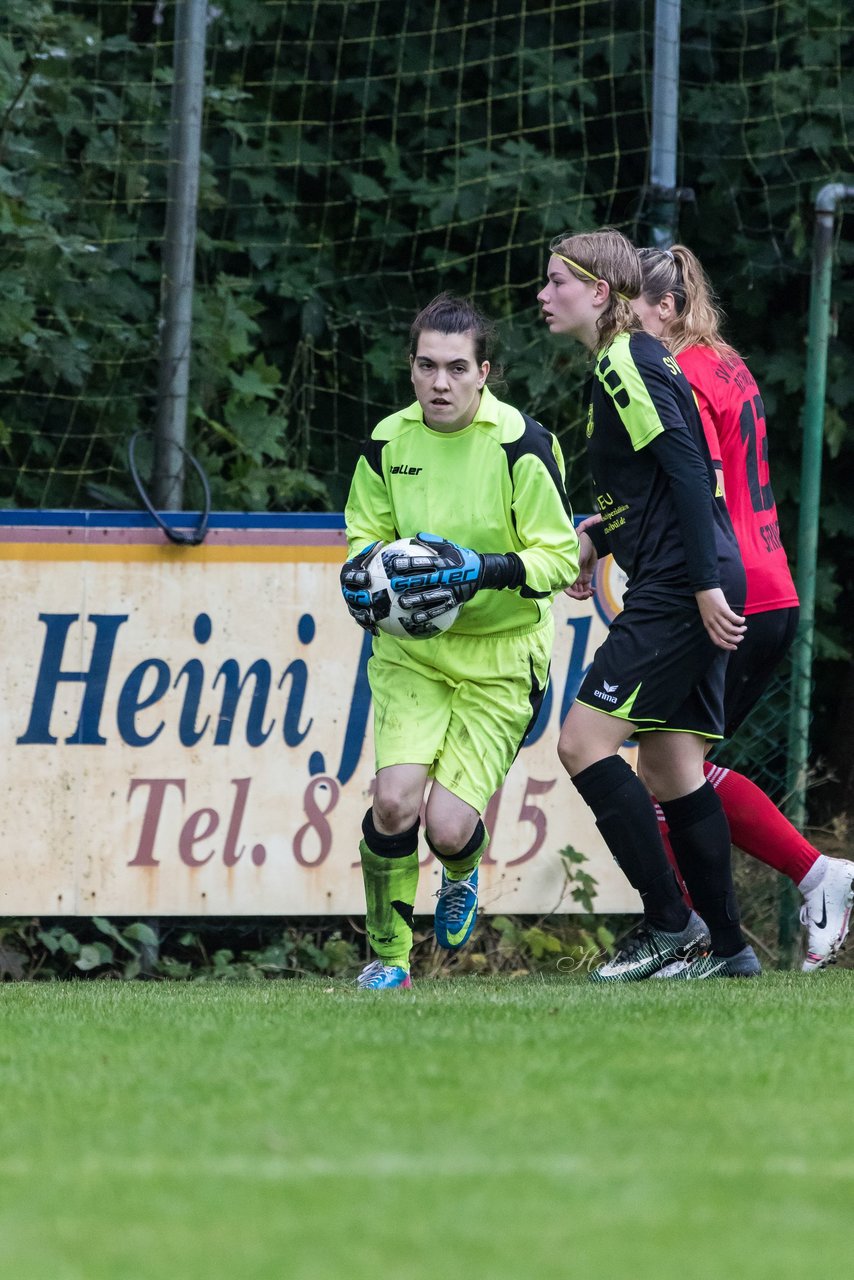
x,y
543,520
361,530
367,515
550,567
692,501
698,535
597,535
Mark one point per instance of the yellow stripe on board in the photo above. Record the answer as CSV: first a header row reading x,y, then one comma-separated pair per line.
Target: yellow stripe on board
x,y
111,553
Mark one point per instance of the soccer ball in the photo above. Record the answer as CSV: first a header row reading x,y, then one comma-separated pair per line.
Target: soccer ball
x,y
406,624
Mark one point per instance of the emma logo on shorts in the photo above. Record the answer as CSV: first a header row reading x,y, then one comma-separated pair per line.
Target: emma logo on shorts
x,y
606,693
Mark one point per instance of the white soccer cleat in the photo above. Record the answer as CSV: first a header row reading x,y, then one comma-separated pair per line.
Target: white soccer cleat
x,y
827,914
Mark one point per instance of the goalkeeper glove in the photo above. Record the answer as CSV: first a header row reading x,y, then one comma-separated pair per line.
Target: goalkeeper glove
x,y
356,588
452,575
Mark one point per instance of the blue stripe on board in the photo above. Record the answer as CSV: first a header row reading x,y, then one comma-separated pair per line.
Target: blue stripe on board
x,y
175,519
179,519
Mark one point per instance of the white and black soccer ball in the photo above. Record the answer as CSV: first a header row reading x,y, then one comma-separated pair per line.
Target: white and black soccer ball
x,y
406,624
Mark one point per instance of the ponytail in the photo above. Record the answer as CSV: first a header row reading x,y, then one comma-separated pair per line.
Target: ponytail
x,y
698,318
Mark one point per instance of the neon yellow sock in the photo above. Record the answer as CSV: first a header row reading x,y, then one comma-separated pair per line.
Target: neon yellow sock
x,y
390,886
461,870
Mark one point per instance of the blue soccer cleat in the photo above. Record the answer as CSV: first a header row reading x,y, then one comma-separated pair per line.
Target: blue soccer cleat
x,y
383,977
456,911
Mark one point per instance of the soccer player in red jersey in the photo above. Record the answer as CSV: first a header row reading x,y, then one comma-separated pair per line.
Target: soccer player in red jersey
x,y
677,305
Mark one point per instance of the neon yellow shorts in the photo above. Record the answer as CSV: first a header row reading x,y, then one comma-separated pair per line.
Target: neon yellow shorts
x,y
460,704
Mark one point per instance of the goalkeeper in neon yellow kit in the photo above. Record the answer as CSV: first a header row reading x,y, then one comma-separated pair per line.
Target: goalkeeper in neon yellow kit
x,y
483,485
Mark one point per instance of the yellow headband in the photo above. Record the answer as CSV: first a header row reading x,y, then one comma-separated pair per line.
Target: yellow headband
x,y
590,276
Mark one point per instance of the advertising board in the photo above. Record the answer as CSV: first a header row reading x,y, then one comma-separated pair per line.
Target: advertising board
x,y
187,730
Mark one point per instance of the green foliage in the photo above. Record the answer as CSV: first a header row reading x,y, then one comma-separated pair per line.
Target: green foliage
x,y
99,948
82,190
584,885
30,950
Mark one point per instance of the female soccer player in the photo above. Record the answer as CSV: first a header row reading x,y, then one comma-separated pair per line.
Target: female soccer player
x,y
455,706
677,305
659,675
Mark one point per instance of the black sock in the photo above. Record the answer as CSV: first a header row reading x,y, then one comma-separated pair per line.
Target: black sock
x,y
399,846
699,835
464,861
626,818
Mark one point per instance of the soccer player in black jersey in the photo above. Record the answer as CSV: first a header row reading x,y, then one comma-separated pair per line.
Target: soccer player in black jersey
x,y
659,675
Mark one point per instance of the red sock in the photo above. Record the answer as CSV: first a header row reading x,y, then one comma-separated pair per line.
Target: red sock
x,y
758,827
664,832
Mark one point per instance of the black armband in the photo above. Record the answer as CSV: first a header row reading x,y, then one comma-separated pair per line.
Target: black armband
x,y
502,571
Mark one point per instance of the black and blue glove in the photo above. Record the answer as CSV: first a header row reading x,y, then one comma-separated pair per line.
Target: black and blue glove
x,y
451,576
356,588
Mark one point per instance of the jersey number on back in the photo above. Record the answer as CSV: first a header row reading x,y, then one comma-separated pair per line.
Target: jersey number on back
x,y
754,435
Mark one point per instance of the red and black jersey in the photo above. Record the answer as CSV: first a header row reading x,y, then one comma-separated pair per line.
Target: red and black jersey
x,y
734,423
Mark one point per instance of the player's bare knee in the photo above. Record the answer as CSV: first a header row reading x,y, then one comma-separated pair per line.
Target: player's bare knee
x,y
394,813
571,755
448,837
656,780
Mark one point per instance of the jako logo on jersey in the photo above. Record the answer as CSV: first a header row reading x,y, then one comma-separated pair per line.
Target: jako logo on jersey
x,y
404,470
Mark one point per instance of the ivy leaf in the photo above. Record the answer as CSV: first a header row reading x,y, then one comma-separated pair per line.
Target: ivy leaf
x,y
93,955
365,187
143,933
105,926
258,381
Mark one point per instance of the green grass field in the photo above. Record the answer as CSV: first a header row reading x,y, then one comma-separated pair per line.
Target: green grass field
x,y
479,1127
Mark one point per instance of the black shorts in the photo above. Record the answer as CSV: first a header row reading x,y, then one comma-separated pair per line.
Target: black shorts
x,y
766,642
658,669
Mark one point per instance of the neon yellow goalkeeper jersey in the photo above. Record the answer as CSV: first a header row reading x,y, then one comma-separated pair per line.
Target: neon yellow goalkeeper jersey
x,y
495,486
